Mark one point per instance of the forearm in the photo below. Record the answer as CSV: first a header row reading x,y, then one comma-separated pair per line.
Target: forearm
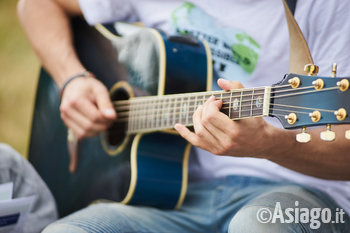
x,y
328,160
46,23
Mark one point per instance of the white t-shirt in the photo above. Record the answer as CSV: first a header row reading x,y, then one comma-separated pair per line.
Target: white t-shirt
x,y
250,43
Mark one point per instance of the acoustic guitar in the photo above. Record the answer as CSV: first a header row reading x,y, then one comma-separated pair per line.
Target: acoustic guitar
x,y
140,160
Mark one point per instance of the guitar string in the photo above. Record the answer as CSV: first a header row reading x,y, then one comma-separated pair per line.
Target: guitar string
x,y
221,93
160,117
174,119
173,109
201,94
190,101
190,106
171,113
144,125
177,119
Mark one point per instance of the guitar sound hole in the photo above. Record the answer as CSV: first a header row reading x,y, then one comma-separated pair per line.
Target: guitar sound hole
x,y
117,131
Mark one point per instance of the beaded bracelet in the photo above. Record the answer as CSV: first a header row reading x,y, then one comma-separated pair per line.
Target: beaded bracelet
x,y
83,74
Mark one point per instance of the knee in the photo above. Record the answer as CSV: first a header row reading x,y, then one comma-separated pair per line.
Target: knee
x,y
258,219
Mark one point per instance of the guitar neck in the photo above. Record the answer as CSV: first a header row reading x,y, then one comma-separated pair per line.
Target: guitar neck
x,y
153,113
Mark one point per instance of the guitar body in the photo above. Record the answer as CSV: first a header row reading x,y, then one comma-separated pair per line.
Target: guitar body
x,y
145,169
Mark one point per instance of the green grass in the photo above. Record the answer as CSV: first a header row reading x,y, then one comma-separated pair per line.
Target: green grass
x,y
19,70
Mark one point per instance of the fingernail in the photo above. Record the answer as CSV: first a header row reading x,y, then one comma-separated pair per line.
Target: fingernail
x,y
177,126
212,97
199,107
109,112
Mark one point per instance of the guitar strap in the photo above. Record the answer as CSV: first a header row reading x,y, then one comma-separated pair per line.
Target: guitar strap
x,y
292,4
299,52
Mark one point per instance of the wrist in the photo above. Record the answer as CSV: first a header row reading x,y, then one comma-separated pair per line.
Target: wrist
x,y
281,142
84,74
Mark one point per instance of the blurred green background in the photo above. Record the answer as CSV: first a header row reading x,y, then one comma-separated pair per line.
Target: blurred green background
x,y
19,72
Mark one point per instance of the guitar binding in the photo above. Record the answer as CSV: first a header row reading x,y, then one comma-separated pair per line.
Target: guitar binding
x,y
115,138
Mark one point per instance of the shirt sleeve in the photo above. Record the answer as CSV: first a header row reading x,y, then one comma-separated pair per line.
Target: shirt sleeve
x,y
106,11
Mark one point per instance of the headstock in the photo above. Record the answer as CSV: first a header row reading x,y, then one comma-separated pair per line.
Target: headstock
x,y
300,101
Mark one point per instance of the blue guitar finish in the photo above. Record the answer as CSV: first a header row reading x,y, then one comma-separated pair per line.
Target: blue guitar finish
x,y
99,175
159,160
305,99
160,173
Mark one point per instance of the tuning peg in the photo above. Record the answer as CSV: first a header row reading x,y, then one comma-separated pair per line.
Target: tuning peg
x,y
343,85
347,134
311,69
334,70
341,114
328,135
303,137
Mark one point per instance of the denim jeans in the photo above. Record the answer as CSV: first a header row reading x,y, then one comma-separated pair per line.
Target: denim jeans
x,y
222,205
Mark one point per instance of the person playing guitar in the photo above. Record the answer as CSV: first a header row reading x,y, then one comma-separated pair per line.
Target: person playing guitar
x,y
261,163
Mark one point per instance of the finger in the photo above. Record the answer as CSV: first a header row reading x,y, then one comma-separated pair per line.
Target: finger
x,y
90,111
229,85
200,130
104,103
216,122
88,127
77,130
213,120
187,134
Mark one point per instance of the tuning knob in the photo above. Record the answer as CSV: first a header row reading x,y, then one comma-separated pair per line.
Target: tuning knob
x,y
347,134
334,70
311,69
303,137
328,135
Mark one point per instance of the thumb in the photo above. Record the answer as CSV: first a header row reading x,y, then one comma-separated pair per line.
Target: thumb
x,y
104,103
229,85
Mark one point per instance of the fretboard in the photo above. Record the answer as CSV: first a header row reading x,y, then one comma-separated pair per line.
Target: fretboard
x,y
152,113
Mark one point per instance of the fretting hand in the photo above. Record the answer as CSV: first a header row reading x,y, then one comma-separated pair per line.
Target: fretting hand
x,y
218,134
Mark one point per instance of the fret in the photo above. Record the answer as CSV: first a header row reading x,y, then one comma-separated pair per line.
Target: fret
x,y
163,113
154,113
131,118
159,113
240,104
230,105
149,115
140,115
192,108
137,116
188,109
225,98
195,103
174,111
146,107
246,103
258,103
251,103
169,106
181,108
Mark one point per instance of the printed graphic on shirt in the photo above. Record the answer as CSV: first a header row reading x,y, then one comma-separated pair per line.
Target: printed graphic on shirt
x,y
235,53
